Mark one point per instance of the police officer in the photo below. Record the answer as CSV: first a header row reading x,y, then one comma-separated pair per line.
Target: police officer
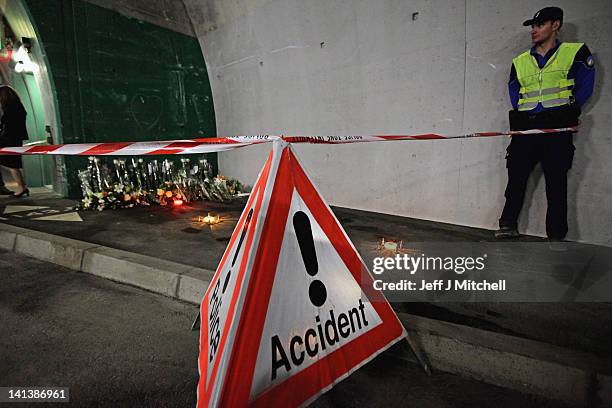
x,y
548,85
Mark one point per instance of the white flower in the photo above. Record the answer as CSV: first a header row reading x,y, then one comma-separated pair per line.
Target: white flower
x,y
118,188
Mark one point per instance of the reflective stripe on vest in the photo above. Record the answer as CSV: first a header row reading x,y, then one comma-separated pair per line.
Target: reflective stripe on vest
x,y
548,91
550,85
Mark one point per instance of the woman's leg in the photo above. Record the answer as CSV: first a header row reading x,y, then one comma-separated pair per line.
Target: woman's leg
x,y
16,174
3,189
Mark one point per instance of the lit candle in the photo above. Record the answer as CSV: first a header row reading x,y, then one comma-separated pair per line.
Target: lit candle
x,y
210,220
390,246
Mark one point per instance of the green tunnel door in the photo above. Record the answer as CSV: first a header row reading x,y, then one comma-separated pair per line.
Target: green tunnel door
x,y
38,170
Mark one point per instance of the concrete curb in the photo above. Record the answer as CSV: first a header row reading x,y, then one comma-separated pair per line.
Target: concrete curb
x,y
529,366
168,278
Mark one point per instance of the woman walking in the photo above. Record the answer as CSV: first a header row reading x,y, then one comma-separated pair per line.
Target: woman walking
x,y
12,133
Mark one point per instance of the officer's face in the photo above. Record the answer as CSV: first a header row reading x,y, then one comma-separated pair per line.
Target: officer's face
x,y
541,32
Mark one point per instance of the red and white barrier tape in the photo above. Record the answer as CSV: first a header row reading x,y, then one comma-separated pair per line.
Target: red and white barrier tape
x,y
189,146
426,136
209,145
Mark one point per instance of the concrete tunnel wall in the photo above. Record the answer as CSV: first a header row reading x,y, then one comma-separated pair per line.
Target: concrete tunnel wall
x,y
345,67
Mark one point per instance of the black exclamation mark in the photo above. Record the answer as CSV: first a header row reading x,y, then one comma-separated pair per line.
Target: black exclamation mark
x,y
303,231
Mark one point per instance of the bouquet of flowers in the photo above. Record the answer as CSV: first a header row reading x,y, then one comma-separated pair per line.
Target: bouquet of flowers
x,y
169,192
129,183
119,196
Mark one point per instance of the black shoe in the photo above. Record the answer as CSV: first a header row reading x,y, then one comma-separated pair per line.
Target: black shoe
x,y
5,191
24,193
557,244
506,233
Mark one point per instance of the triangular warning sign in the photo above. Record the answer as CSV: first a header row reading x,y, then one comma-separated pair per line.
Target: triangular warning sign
x,y
287,314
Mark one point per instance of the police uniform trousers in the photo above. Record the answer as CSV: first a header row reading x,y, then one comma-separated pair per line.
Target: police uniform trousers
x,y
555,152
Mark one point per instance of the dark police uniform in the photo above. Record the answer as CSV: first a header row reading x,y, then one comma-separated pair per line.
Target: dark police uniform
x,y
548,107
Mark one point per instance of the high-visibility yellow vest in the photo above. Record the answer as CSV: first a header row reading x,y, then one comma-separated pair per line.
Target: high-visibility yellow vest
x,y
549,85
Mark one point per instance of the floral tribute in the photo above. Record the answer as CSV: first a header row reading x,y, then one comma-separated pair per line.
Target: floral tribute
x,y
133,182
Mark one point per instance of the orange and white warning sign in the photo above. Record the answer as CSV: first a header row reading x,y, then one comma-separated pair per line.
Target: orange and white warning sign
x,y
285,317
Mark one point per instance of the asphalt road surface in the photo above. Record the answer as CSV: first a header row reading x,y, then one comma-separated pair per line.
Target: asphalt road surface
x,y
119,346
